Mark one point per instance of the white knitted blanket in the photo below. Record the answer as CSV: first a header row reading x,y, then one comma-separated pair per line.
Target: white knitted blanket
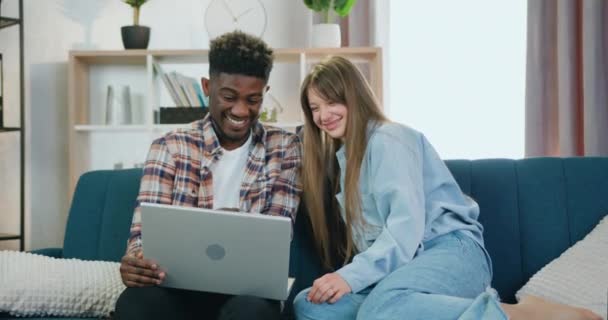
x,y
579,277
35,285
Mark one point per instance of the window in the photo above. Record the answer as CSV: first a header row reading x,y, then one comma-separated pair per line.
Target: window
x,y
457,74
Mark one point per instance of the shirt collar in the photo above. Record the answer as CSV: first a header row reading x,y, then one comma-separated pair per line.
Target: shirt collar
x,y
212,143
372,125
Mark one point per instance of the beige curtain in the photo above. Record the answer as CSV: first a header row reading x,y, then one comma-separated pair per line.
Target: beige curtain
x,y
567,78
357,27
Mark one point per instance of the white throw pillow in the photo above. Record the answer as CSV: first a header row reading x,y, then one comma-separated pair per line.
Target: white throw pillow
x,y
579,277
35,285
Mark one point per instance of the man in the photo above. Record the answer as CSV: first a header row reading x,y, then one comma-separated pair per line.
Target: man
x,y
226,160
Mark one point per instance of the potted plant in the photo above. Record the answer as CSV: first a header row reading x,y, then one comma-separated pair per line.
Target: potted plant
x,y
135,36
327,33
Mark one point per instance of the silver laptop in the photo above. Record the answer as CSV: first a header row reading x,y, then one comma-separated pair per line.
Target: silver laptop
x,y
218,251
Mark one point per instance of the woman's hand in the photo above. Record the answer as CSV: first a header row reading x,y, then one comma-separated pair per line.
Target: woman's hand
x,y
329,288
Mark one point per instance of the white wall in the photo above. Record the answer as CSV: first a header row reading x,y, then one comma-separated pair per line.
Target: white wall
x,y
454,70
457,73
52,28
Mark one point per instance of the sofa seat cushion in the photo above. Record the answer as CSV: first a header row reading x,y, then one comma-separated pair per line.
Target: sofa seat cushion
x,y
40,286
579,276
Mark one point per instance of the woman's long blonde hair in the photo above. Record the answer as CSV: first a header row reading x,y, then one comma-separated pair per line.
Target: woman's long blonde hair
x,y
338,80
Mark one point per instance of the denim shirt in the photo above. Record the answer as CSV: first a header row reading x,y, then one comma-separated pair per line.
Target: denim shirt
x,y
408,196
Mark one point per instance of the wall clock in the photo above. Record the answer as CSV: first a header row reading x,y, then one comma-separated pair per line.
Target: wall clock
x,y
223,16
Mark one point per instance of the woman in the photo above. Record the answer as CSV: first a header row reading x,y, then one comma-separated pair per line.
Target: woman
x,y
407,239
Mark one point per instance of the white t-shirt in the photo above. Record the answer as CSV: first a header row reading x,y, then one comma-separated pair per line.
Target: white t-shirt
x,y
228,175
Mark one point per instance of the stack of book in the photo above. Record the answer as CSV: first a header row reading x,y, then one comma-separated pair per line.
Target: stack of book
x,y
184,91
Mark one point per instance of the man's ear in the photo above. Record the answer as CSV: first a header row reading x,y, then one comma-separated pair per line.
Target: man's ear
x,y
205,85
267,88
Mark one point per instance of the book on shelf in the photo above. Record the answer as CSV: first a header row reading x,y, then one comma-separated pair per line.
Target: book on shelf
x,y
165,78
200,94
179,90
184,91
188,86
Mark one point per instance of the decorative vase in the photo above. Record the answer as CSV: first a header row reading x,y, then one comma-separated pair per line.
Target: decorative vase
x,y
135,37
118,105
326,35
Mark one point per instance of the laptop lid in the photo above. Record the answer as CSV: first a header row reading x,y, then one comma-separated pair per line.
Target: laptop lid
x,y
218,251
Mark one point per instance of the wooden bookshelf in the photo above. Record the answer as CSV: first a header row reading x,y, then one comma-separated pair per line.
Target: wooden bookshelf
x,y
90,72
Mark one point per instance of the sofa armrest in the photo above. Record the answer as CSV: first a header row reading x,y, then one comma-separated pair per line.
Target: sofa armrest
x,y
49,252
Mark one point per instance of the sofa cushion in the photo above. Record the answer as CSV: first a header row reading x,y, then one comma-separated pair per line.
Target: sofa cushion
x,y
493,184
36,285
579,276
532,209
100,215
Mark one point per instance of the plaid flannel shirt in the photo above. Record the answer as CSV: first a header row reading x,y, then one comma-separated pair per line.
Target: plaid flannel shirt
x,y
177,172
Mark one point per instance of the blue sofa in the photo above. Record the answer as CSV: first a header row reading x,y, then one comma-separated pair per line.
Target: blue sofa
x,y
532,210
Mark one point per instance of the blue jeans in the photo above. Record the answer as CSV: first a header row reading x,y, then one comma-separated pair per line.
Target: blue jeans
x,y
448,280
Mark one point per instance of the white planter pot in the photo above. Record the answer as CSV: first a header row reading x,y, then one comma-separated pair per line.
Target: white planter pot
x,y
326,35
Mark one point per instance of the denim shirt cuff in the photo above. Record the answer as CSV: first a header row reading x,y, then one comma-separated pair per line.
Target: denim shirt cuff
x,y
352,277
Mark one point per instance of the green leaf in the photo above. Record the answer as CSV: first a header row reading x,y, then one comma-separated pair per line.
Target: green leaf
x,y
309,4
323,5
135,3
343,7
317,5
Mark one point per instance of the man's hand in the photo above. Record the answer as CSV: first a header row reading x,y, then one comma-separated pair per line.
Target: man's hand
x,y
329,288
136,271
